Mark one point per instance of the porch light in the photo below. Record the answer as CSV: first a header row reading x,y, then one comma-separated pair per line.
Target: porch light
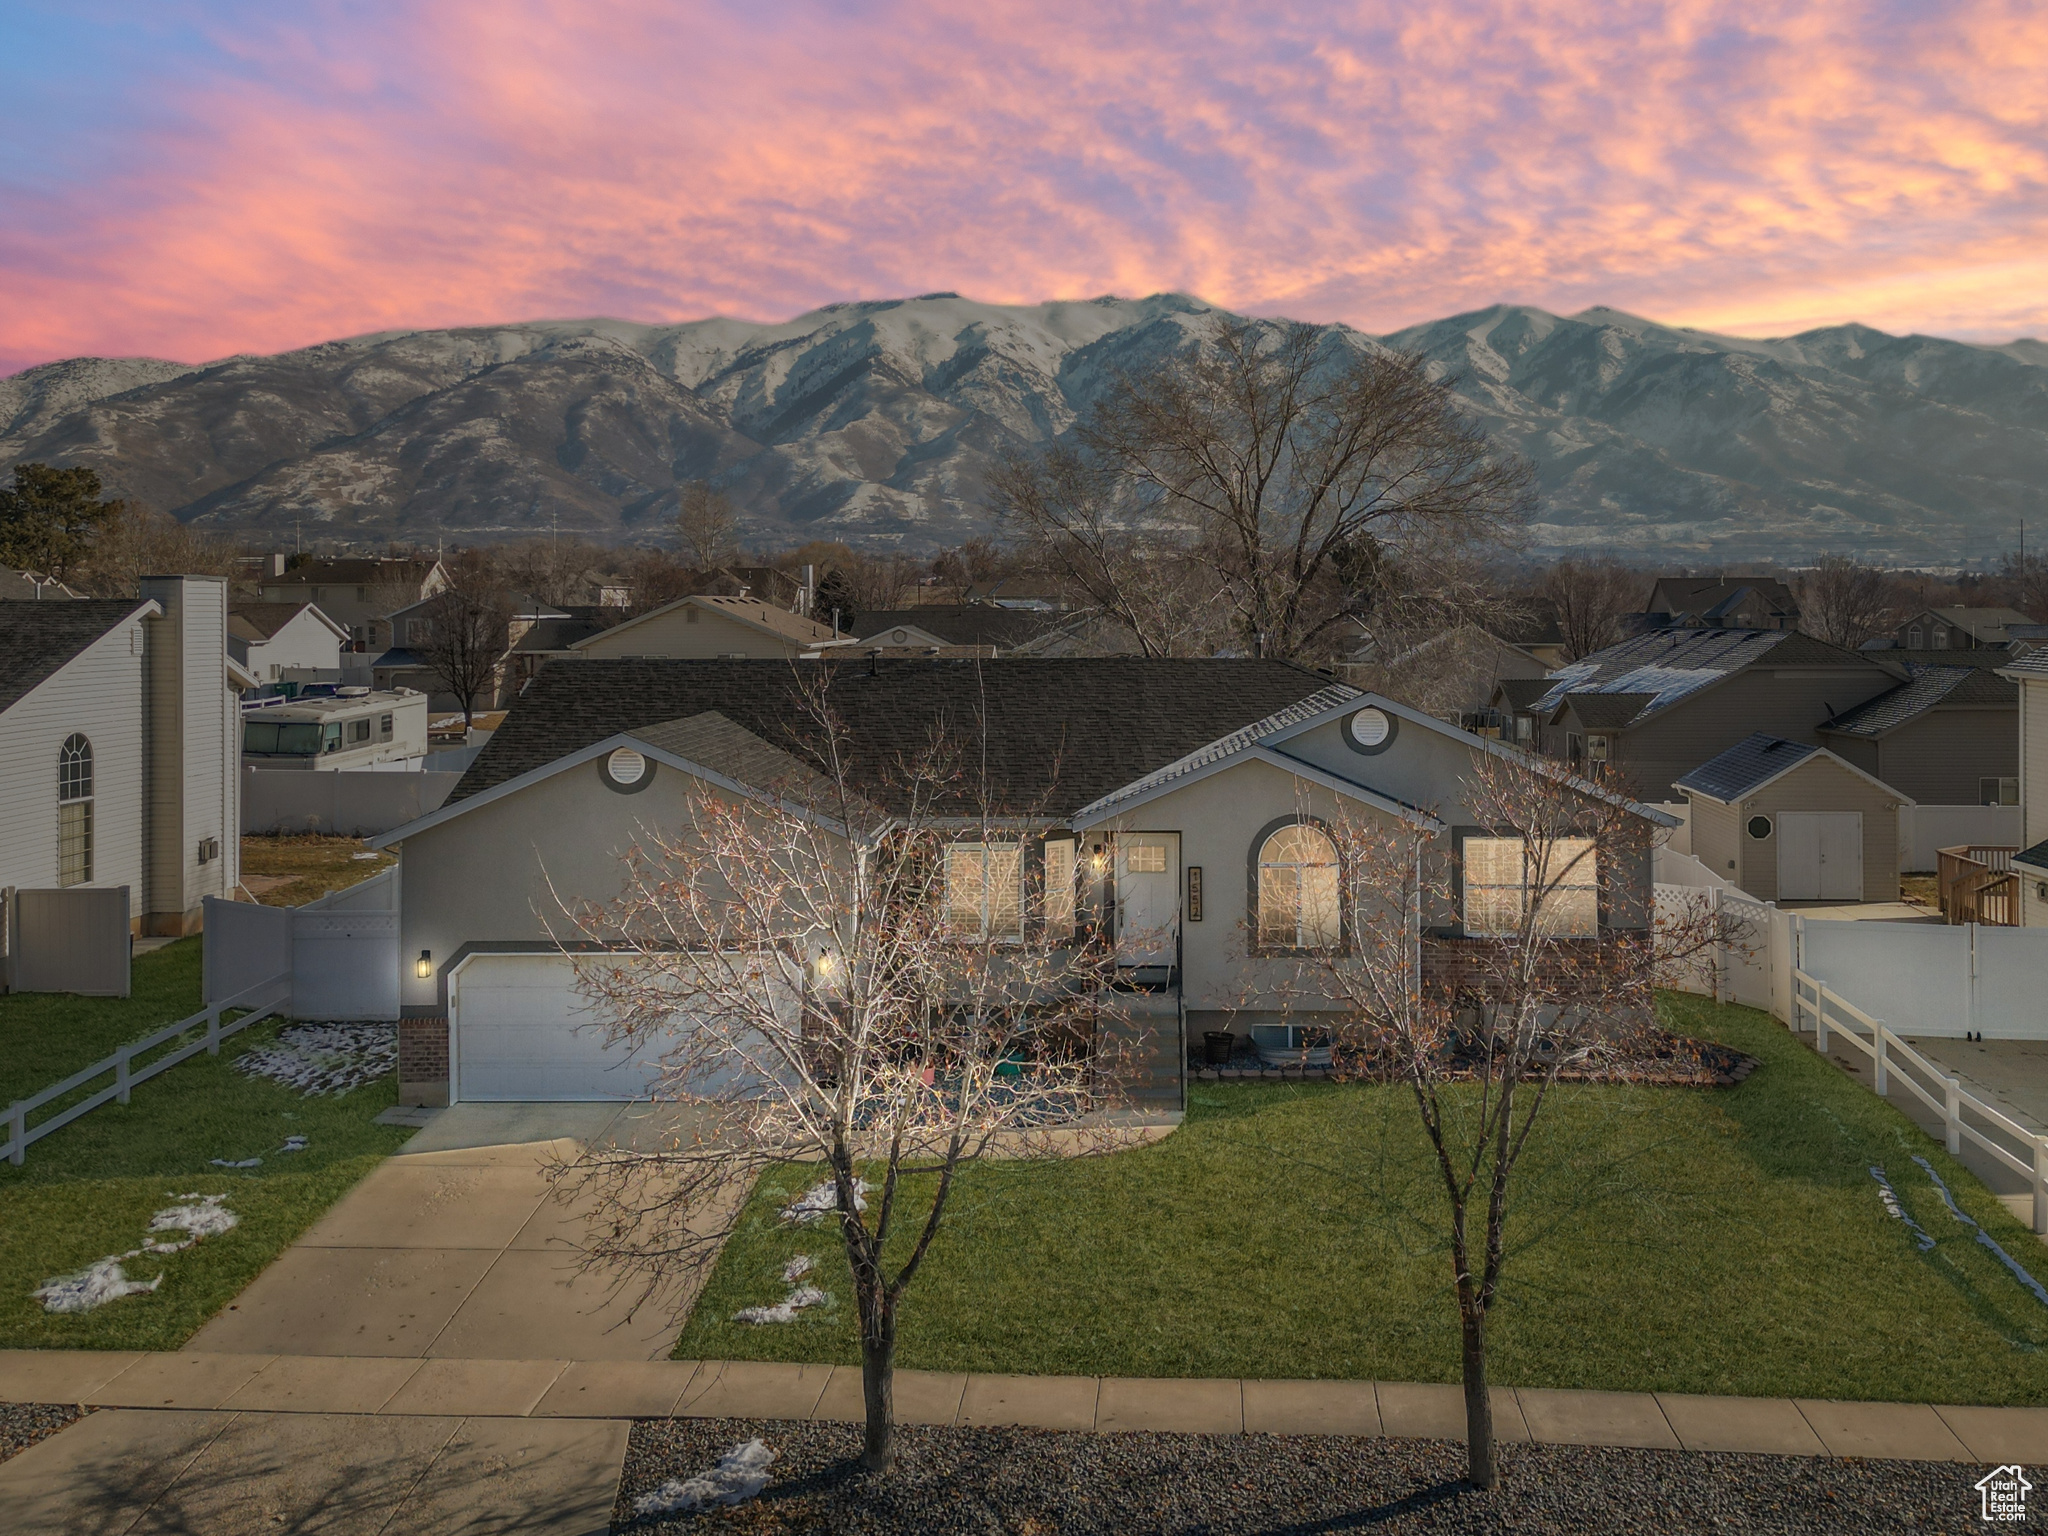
x,y
424,966
824,963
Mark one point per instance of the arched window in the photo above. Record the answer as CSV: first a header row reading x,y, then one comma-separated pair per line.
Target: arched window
x,y
74,811
1298,890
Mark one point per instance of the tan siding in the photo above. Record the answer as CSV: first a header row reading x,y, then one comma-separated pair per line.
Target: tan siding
x,y
1938,759
1820,784
1713,837
99,693
671,634
2034,758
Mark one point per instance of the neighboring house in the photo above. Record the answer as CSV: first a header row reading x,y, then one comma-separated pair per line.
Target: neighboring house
x,y
409,664
709,627
358,594
2030,674
1718,602
1453,675
1013,592
121,728
270,639
1176,806
548,638
1960,629
1790,821
1003,631
31,586
1949,736
349,728
1655,707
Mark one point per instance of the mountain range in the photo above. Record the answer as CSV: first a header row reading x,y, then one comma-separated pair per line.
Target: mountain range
x,y
876,423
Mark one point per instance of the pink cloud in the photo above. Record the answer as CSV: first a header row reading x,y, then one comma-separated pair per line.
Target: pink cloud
x,y
1376,163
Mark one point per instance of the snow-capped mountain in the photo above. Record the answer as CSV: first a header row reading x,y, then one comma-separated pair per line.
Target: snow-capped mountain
x,y
877,422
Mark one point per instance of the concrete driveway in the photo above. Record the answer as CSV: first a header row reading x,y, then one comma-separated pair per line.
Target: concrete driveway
x,y
457,1247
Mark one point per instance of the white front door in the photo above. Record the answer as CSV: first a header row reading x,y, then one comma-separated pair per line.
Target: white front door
x,y
1820,855
1147,897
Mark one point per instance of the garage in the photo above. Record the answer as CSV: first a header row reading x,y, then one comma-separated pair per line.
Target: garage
x,y
521,1031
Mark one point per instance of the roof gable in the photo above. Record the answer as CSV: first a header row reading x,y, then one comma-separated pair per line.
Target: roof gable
x,y
1931,688
751,612
1760,760
38,640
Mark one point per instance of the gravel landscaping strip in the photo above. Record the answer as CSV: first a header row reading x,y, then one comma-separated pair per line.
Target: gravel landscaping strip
x,y
1026,1482
23,1424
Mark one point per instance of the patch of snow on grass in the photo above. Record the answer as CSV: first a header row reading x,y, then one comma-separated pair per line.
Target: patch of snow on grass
x,y
797,1268
197,1216
319,1059
820,1198
741,1474
783,1311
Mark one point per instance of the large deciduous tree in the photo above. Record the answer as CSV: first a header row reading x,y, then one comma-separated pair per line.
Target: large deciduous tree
x,y
707,524
49,518
1590,599
1845,602
1272,475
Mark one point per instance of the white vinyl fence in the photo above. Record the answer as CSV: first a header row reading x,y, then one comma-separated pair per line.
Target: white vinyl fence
x,y
263,1000
1869,984
1924,830
353,803
339,953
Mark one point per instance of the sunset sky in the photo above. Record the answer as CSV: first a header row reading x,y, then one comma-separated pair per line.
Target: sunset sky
x,y
192,178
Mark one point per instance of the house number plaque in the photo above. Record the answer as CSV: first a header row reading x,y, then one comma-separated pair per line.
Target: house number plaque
x,y
1194,893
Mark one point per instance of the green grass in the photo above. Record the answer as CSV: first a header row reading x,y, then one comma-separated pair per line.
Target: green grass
x,y
1686,1240
87,1191
47,1036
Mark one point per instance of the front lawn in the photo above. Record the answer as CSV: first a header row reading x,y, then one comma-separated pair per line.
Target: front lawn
x,y
1683,1240
47,1036
87,1191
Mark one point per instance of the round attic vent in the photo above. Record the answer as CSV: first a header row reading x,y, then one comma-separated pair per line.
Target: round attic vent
x,y
899,635
625,766
1370,730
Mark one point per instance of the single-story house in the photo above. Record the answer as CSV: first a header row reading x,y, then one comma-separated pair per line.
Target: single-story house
x,y
1179,805
122,725
271,639
1790,821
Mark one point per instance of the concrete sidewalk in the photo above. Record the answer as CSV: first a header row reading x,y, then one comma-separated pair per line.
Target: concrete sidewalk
x,y
383,1389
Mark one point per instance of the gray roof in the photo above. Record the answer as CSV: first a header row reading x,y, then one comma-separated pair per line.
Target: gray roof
x,y
1607,711
712,741
1225,746
39,639
1955,687
2036,856
1673,664
969,624
2033,664
1754,761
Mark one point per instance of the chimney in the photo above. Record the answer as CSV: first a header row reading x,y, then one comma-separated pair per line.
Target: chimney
x,y
809,597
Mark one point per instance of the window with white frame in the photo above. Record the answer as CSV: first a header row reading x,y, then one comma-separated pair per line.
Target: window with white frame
x,y
74,811
1298,890
1998,791
1501,872
985,890
1059,887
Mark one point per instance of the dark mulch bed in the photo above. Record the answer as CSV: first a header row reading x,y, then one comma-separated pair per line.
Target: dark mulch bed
x,y
1650,1057
1025,1482
23,1424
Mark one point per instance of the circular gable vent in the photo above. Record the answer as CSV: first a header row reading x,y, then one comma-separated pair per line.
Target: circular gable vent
x,y
1370,730
626,769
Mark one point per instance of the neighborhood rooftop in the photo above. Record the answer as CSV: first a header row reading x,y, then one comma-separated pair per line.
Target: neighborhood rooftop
x,y
37,639
1951,686
1668,665
1061,733
1745,767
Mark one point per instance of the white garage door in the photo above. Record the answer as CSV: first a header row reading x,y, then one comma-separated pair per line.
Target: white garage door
x,y
523,1032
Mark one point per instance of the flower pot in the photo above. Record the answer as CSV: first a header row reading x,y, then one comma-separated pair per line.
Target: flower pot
x,y
1217,1045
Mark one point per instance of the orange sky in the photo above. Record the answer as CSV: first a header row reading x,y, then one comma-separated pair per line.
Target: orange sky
x,y
214,179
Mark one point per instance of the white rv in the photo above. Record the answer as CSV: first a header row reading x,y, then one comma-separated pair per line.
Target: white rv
x,y
350,728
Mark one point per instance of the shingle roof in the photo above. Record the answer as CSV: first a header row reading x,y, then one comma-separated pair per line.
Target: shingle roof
x,y
259,621
2033,664
36,639
558,634
751,610
1674,663
32,587
973,624
1953,686
1607,711
712,741
2036,856
341,571
1753,761
1521,692
1060,732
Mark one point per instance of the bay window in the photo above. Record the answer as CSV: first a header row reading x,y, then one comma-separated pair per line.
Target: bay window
x,y
1500,874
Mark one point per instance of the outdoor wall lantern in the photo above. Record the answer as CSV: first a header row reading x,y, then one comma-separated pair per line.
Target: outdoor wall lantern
x,y
424,966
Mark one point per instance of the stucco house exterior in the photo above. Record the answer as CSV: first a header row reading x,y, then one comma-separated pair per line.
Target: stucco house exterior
x,y
121,724
1790,821
708,627
1179,806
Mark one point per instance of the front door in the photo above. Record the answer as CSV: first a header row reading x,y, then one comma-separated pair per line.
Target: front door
x,y
1147,898
1820,856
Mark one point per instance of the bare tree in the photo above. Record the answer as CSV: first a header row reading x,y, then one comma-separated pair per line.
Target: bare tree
x,y
1554,978
1845,602
1286,460
886,986
467,632
554,570
2024,578
134,542
707,523
1591,598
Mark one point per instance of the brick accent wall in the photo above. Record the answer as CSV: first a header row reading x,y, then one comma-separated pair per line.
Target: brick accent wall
x,y
423,1062
1460,965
